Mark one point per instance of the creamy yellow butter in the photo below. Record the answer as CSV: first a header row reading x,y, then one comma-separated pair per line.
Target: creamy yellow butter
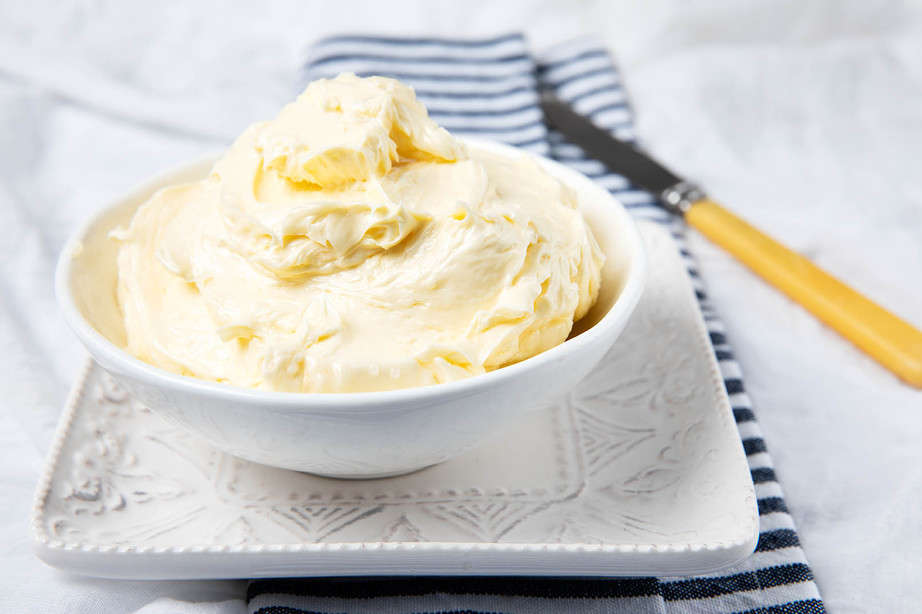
x,y
351,244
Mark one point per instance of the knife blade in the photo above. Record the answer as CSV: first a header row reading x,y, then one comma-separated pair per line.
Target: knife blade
x,y
893,342
618,156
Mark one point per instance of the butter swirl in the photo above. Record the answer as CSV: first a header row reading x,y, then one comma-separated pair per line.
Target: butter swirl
x,y
351,244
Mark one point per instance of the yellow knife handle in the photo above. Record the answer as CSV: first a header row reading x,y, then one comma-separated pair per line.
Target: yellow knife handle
x,y
893,342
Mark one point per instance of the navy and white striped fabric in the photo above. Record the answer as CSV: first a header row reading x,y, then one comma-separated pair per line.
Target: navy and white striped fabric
x,y
489,88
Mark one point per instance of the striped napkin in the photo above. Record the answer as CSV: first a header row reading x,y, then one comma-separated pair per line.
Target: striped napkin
x,y
489,88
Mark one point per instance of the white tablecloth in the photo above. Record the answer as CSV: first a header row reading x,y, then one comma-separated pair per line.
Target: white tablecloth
x,y
803,117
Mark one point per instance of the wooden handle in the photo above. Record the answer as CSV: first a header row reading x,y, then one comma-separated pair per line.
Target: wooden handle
x,y
893,342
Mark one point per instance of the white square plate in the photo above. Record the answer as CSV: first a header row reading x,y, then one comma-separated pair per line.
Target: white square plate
x,y
639,471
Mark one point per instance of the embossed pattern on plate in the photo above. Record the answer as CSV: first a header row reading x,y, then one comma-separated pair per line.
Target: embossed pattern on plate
x,y
638,470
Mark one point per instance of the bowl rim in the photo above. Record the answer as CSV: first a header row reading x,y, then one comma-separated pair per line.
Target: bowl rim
x,y
128,365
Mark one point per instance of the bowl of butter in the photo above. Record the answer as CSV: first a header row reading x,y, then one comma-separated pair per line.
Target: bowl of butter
x,y
349,289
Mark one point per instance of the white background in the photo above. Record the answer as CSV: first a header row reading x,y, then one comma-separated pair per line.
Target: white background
x,y
806,117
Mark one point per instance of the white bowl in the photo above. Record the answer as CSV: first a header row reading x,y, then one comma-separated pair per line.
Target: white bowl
x,y
354,435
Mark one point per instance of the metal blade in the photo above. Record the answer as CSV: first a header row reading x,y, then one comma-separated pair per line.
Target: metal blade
x,y
618,156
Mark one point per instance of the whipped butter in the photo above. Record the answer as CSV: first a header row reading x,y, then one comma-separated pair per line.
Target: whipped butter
x,y
351,244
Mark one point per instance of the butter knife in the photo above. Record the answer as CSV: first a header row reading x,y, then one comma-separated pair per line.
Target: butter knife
x,y
893,342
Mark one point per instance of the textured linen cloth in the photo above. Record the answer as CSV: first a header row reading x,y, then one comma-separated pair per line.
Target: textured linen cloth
x,y
489,88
